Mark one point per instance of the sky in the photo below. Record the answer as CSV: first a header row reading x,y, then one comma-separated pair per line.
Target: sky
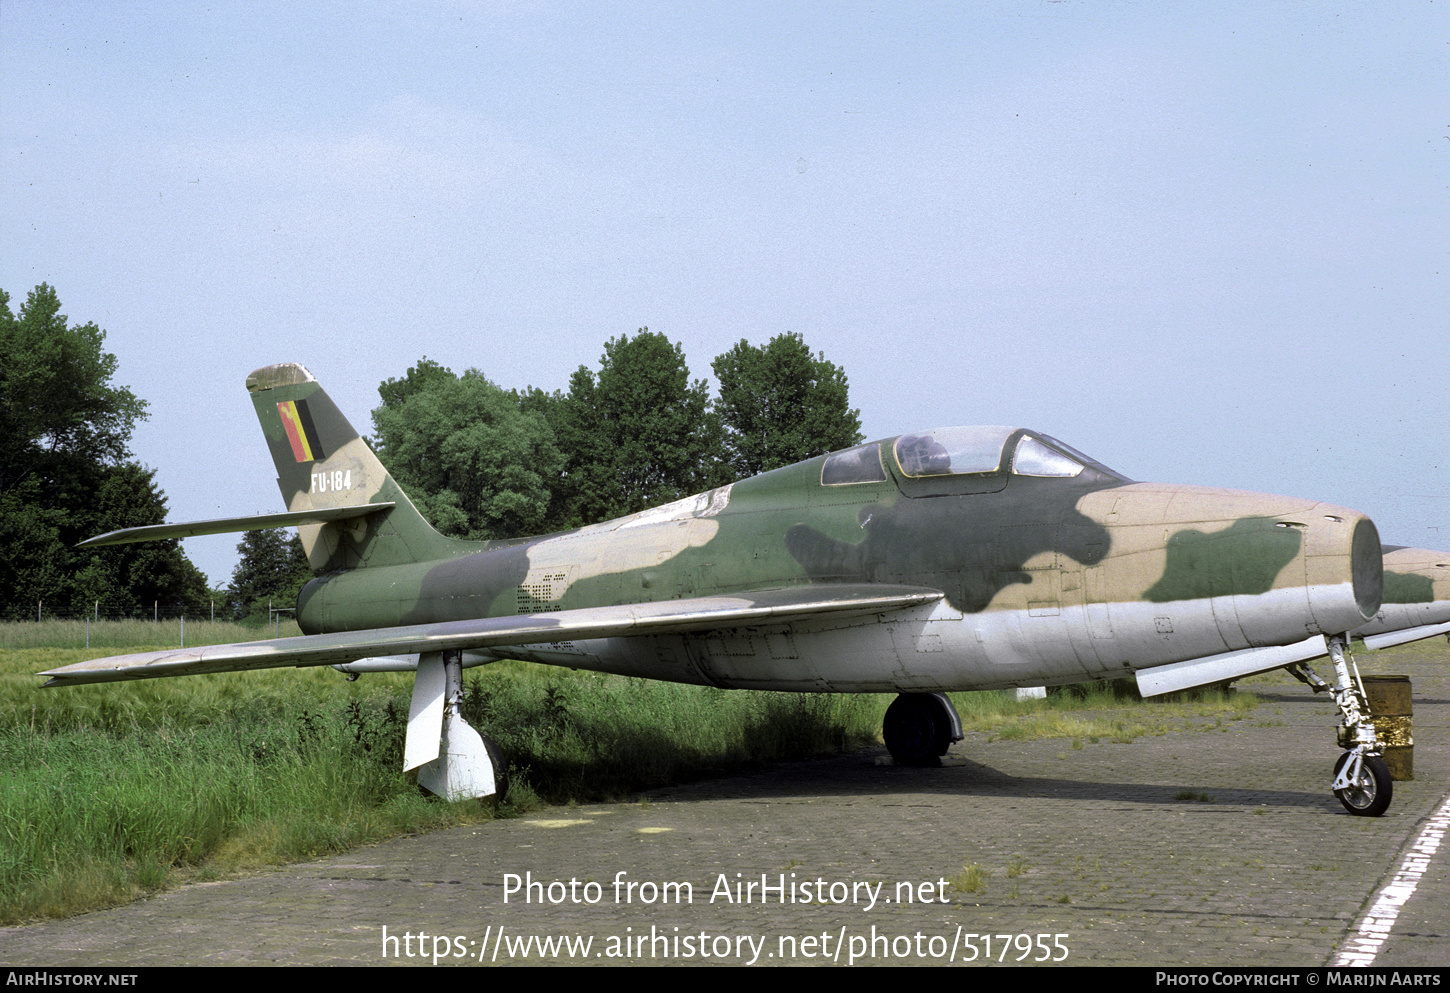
x,y
1203,243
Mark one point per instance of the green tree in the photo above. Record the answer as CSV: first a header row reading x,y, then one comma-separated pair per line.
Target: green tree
x,y
59,413
139,576
395,392
638,433
477,464
34,563
272,569
66,472
780,404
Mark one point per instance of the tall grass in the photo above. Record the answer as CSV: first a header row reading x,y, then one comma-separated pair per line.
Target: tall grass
x,y
109,791
88,819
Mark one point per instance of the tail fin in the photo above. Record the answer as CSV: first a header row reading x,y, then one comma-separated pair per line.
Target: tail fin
x,y
322,462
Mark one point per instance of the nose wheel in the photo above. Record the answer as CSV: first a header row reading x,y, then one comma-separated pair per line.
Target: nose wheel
x,y
1363,784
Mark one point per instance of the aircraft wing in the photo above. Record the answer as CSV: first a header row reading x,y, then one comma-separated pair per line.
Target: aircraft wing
x,y
227,525
1178,676
1388,639
663,617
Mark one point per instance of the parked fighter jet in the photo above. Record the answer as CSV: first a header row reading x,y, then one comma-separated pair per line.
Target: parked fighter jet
x,y
954,559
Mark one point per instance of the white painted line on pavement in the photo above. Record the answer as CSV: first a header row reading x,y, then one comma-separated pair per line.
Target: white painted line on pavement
x,y
1366,940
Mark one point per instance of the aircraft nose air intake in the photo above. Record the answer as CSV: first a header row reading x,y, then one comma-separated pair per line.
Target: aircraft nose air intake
x,y
1345,567
1368,563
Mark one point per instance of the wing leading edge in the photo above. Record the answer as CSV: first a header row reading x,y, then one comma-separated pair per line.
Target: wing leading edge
x,y
664,617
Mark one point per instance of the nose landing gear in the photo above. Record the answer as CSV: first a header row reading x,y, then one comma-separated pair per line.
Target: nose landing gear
x,y
1361,779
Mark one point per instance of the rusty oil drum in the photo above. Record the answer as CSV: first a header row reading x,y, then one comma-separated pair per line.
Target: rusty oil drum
x,y
1391,709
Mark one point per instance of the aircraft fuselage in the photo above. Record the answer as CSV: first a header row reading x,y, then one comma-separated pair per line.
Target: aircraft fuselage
x,y
1048,579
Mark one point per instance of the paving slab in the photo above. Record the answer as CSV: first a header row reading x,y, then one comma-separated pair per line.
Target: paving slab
x,y
1217,844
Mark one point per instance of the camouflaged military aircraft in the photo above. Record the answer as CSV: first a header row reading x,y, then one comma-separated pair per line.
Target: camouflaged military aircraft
x,y
955,559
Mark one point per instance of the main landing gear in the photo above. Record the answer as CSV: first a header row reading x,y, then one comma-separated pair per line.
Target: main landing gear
x,y
453,760
1361,779
920,727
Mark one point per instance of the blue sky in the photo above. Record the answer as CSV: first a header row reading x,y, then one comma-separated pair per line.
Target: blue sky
x,y
1202,243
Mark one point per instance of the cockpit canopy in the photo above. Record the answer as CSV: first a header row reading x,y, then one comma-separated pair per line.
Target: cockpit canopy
x,y
943,453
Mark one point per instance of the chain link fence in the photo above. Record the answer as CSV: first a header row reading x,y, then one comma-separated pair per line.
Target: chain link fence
x,y
39,610
34,624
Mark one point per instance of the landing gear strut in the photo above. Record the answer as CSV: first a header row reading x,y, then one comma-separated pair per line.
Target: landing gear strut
x,y
1361,779
920,727
453,760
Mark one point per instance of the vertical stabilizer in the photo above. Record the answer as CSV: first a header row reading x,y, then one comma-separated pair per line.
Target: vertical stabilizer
x,y
323,462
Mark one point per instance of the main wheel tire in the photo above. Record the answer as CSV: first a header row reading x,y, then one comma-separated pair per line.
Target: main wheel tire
x,y
1371,796
916,730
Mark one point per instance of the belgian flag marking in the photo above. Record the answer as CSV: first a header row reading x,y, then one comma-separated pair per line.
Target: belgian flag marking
x,y
300,430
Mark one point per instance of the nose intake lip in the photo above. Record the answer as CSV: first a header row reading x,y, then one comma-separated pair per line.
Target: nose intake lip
x,y
1367,565
1344,569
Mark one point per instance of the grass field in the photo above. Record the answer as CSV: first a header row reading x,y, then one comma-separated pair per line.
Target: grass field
x,y
110,791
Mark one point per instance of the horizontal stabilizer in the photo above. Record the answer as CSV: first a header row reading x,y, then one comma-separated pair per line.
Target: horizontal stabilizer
x,y
664,617
1374,642
1230,665
225,525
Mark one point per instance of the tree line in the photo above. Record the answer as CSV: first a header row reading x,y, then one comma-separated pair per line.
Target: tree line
x,y
67,474
480,461
484,462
